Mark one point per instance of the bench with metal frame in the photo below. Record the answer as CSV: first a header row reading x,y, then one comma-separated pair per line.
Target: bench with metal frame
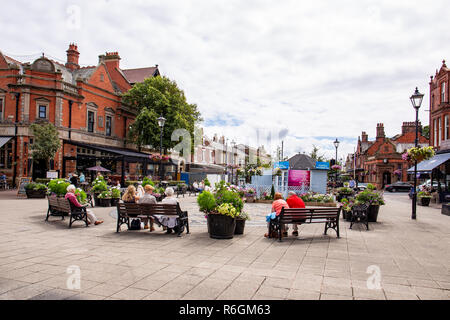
x,y
328,216
61,207
127,211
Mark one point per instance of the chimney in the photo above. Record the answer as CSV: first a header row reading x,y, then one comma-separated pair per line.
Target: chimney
x,y
410,127
380,130
111,59
364,137
72,57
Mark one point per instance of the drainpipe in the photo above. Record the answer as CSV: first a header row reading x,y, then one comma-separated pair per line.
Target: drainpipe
x,y
17,94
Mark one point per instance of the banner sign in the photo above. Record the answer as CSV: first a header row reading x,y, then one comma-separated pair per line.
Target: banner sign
x,y
283,165
323,165
299,178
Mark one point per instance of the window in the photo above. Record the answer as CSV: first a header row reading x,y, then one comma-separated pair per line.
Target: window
x,y
42,111
91,121
447,133
108,126
1,109
443,92
440,130
435,133
102,77
6,156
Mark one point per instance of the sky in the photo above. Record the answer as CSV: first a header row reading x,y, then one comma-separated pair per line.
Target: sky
x,y
261,72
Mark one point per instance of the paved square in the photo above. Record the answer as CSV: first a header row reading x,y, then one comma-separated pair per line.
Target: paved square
x,y
408,259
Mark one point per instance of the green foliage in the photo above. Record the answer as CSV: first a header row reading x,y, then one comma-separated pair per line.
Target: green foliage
x,y
81,195
370,197
36,186
424,194
345,190
225,196
58,186
147,181
100,186
105,195
42,180
206,201
316,197
115,193
370,187
243,216
46,141
227,209
315,154
426,132
207,183
153,97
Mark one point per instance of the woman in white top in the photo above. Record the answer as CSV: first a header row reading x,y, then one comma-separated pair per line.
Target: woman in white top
x,y
148,197
169,222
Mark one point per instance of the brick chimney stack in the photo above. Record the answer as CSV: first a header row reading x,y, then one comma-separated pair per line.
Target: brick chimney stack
x,y
380,131
111,59
364,137
72,57
410,127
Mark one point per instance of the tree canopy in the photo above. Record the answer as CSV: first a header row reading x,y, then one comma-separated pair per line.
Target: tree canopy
x,y
155,97
46,141
315,154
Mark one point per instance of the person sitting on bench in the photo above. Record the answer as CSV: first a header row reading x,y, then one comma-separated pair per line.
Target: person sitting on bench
x,y
70,195
148,197
277,205
295,202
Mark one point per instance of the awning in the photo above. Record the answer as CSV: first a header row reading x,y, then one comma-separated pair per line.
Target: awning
x,y
4,140
432,163
206,168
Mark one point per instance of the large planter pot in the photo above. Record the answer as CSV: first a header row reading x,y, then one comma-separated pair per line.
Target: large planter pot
x,y
114,202
36,194
104,202
240,226
96,200
445,209
424,201
373,212
250,199
220,226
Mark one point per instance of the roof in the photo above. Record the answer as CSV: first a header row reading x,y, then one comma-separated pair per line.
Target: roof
x,y
140,74
301,162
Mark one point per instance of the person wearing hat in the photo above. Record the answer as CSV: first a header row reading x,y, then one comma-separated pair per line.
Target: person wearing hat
x,y
74,180
148,197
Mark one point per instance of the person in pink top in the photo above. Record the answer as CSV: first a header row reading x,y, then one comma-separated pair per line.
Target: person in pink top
x,y
277,205
70,195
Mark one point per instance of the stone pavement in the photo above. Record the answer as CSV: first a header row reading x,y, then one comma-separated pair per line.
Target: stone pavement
x,y
408,259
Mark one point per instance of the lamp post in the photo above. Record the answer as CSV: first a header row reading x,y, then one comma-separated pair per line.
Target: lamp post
x,y
416,100
161,123
336,145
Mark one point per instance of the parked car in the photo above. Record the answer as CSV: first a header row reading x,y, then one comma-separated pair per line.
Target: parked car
x,y
399,186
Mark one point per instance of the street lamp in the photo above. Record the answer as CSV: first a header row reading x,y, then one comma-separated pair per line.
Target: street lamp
x,y
336,145
161,123
416,100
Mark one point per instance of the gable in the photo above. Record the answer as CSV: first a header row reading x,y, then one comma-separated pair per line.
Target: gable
x,y
100,78
3,62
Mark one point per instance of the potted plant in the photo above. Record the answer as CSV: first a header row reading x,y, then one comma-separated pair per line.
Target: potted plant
x,y
222,222
343,192
115,196
36,190
240,222
104,199
58,187
98,186
424,198
250,194
374,200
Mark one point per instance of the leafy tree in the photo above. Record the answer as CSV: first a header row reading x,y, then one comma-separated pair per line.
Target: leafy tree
x,y
155,97
426,132
46,141
315,154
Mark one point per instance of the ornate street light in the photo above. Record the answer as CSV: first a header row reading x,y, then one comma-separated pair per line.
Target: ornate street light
x,y
416,100
161,123
336,145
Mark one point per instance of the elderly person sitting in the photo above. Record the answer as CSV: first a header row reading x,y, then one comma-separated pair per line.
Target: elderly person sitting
x,y
148,197
168,222
70,195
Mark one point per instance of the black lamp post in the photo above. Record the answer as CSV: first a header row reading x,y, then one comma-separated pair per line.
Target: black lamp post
x,y
161,123
416,100
336,145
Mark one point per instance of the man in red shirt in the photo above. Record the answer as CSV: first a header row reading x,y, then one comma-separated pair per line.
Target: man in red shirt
x,y
295,202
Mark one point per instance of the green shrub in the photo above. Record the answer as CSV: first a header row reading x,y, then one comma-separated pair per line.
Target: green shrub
x,y
115,193
370,187
99,186
131,183
243,216
105,195
147,181
81,195
207,183
36,186
225,196
206,201
227,209
424,194
370,197
42,180
58,186
272,192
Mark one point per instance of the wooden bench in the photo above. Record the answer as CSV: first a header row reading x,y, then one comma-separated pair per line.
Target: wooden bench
x,y
192,190
328,216
61,207
127,211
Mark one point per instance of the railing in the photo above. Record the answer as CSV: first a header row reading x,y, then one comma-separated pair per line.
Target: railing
x,y
284,190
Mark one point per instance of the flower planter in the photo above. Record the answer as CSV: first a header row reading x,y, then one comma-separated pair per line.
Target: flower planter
x,y
424,201
341,196
445,209
221,226
114,202
104,202
36,194
240,226
373,212
250,199
96,200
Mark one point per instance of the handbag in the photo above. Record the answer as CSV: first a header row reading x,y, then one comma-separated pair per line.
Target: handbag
x,y
135,224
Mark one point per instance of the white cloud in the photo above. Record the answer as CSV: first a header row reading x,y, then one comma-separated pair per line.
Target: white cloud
x,y
318,69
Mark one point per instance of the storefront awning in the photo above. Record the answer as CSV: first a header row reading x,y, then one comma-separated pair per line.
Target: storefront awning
x,y
206,168
428,165
4,140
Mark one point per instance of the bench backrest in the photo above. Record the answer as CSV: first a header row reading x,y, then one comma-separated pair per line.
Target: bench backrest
x,y
53,201
310,214
64,205
135,209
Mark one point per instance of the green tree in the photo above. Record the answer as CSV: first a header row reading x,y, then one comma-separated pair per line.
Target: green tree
x,y
155,97
426,132
46,141
315,154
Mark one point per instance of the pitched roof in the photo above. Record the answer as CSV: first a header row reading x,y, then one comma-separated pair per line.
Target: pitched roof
x,y
301,162
140,74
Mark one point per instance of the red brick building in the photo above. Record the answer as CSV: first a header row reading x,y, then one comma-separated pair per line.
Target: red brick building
x,y
380,161
440,109
84,103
